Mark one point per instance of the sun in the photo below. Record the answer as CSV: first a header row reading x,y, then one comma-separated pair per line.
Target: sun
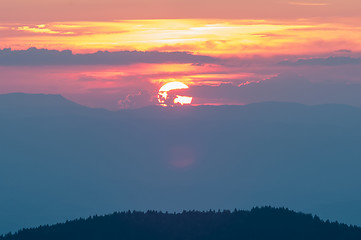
x,y
170,99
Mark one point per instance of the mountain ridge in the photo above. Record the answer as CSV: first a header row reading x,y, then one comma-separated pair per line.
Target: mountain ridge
x,y
19,99
34,100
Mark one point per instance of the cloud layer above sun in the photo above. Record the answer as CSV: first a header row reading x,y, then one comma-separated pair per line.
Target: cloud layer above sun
x,y
44,57
200,36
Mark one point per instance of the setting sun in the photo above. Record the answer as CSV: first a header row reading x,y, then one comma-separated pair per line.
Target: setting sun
x,y
167,99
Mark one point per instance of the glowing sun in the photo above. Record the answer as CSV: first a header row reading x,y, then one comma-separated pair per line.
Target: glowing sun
x,y
170,99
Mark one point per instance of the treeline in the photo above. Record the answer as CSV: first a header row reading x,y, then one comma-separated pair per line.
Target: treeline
x,y
259,223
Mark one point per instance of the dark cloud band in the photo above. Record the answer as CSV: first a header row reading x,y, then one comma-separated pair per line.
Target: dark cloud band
x,y
39,57
330,61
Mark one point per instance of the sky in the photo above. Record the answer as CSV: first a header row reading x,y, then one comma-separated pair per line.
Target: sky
x,y
117,54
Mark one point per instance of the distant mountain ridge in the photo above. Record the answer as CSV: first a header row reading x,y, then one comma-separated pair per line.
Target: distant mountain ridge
x,y
18,99
13,100
18,104
257,224
46,102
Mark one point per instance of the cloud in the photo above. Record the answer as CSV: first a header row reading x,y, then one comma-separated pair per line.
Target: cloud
x,y
40,57
41,29
330,61
308,3
283,88
343,51
137,100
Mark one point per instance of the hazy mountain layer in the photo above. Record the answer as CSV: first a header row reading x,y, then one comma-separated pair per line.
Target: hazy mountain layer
x,y
60,160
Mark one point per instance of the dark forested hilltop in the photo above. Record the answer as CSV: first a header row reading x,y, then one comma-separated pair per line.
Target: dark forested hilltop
x,y
259,223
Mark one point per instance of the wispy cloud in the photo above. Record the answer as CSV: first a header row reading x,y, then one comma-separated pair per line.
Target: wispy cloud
x,y
308,3
42,29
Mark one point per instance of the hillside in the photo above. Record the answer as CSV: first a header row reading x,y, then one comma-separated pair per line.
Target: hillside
x,y
259,223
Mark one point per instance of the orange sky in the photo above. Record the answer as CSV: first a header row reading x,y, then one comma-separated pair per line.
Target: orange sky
x,y
107,10
251,37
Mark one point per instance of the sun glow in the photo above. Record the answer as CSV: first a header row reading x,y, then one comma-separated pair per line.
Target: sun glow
x,y
183,100
168,99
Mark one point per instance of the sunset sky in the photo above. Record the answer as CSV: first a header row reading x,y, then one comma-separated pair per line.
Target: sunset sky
x,y
117,53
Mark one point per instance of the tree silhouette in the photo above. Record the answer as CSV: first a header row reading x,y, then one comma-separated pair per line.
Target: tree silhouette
x,y
259,223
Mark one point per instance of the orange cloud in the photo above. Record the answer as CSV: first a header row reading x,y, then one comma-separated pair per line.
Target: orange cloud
x,y
209,37
308,3
41,29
